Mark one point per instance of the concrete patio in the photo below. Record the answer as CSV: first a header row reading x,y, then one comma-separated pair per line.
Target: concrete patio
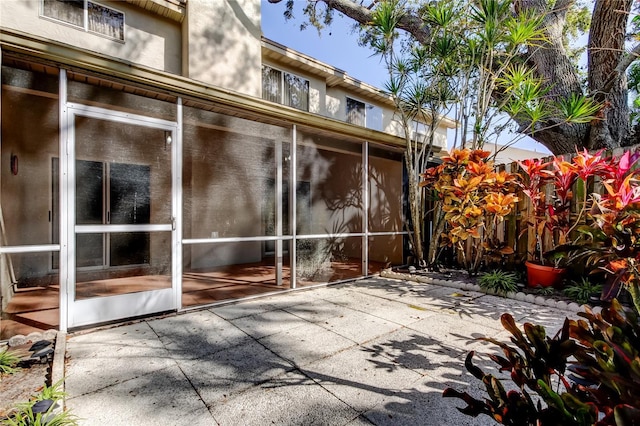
x,y
375,351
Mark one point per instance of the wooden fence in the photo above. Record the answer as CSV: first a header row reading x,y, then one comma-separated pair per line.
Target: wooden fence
x,y
515,231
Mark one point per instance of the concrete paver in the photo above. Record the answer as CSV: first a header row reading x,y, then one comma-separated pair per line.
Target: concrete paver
x,y
161,397
112,356
376,351
291,399
236,369
306,344
196,334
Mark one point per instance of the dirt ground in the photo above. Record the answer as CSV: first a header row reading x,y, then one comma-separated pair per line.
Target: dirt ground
x,y
19,387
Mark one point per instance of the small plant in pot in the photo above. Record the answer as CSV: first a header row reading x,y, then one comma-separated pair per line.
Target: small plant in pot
x,y
550,221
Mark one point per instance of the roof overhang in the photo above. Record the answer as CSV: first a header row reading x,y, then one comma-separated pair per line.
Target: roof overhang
x,y
333,77
108,68
171,9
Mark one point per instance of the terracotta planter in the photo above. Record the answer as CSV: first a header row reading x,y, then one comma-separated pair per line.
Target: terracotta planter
x,y
543,276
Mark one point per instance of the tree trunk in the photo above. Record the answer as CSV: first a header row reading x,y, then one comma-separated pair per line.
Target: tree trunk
x,y
606,49
415,210
552,64
607,82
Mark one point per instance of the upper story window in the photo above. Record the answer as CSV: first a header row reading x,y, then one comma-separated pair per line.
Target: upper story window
x,y
284,88
419,130
86,15
363,114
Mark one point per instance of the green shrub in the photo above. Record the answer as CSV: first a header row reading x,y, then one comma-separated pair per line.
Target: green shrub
x,y
499,281
31,414
545,291
581,292
8,362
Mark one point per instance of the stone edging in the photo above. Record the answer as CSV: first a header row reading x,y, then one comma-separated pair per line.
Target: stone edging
x,y
461,285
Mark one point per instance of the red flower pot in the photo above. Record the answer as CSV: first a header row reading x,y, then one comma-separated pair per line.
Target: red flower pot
x,y
543,276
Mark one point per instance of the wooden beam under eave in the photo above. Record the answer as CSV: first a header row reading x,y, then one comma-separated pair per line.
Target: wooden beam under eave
x,y
171,9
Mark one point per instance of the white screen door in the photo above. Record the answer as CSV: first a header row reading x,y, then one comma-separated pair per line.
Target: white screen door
x,y
120,189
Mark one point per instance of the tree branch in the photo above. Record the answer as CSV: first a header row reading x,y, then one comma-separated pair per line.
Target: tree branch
x,y
562,6
409,22
621,68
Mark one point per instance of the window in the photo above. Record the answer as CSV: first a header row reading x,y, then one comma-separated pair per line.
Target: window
x,y
419,131
87,15
363,114
355,112
284,88
109,193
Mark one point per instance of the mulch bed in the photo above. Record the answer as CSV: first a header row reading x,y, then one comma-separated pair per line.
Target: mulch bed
x,y
33,373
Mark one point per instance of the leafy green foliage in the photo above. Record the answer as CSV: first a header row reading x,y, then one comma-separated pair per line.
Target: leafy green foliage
x,y
499,281
583,290
545,291
579,109
633,76
588,373
8,362
51,392
42,410
578,22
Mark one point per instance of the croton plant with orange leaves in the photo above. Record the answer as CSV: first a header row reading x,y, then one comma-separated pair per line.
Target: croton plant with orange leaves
x,y
474,198
553,216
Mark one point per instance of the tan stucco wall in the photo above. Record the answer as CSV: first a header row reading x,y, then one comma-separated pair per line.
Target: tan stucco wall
x,y
336,104
27,195
336,107
150,39
223,47
441,138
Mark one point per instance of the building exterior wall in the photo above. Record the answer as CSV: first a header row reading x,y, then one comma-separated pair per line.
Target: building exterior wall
x,y
239,169
150,39
507,154
223,44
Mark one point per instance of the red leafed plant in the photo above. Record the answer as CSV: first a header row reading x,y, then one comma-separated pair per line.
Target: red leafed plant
x,y
611,242
553,216
587,374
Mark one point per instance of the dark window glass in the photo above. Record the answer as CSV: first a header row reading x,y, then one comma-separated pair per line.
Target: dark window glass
x,y
355,112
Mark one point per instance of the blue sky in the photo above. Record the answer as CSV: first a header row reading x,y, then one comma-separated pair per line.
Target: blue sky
x,y
337,46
